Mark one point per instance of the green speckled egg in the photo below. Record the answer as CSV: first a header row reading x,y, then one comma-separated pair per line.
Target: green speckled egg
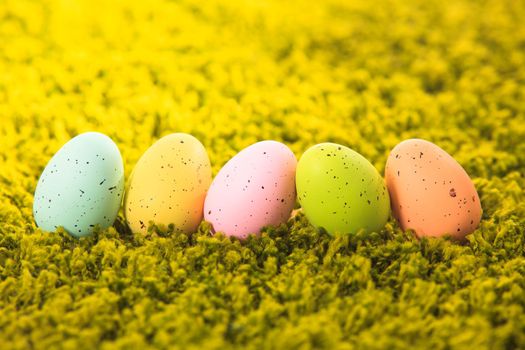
x,y
340,190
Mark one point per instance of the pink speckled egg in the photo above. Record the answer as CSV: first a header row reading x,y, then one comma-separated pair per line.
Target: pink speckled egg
x,y
256,188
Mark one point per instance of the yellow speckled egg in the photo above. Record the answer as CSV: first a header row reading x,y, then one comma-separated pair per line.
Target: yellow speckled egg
x,y
169,185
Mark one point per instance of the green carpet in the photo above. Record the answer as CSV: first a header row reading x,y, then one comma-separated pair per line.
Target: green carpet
x,y
366,74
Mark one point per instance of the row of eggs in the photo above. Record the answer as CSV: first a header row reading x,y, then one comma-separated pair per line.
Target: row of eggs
x,y
338,189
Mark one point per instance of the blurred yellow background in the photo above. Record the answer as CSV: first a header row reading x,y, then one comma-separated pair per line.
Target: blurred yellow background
x,y
366,74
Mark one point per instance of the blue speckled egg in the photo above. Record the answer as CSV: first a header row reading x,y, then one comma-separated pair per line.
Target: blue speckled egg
x,y
81,187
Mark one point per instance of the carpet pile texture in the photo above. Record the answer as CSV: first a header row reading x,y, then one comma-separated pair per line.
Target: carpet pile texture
x,y
366,74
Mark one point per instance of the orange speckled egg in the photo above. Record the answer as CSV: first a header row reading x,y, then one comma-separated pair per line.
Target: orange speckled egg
x,y
430,192
169,184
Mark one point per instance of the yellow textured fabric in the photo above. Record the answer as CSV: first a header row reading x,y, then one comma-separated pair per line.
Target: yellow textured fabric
x,y
366,74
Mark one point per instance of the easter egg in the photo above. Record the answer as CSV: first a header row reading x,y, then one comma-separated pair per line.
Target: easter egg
x,y
340,191
168,185
254,189
81,187
430,192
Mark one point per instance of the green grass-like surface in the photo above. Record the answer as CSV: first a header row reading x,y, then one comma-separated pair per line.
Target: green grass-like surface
x,y
366,74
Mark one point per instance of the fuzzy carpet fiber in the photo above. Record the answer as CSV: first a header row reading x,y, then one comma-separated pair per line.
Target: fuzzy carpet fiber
x,y
366,74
